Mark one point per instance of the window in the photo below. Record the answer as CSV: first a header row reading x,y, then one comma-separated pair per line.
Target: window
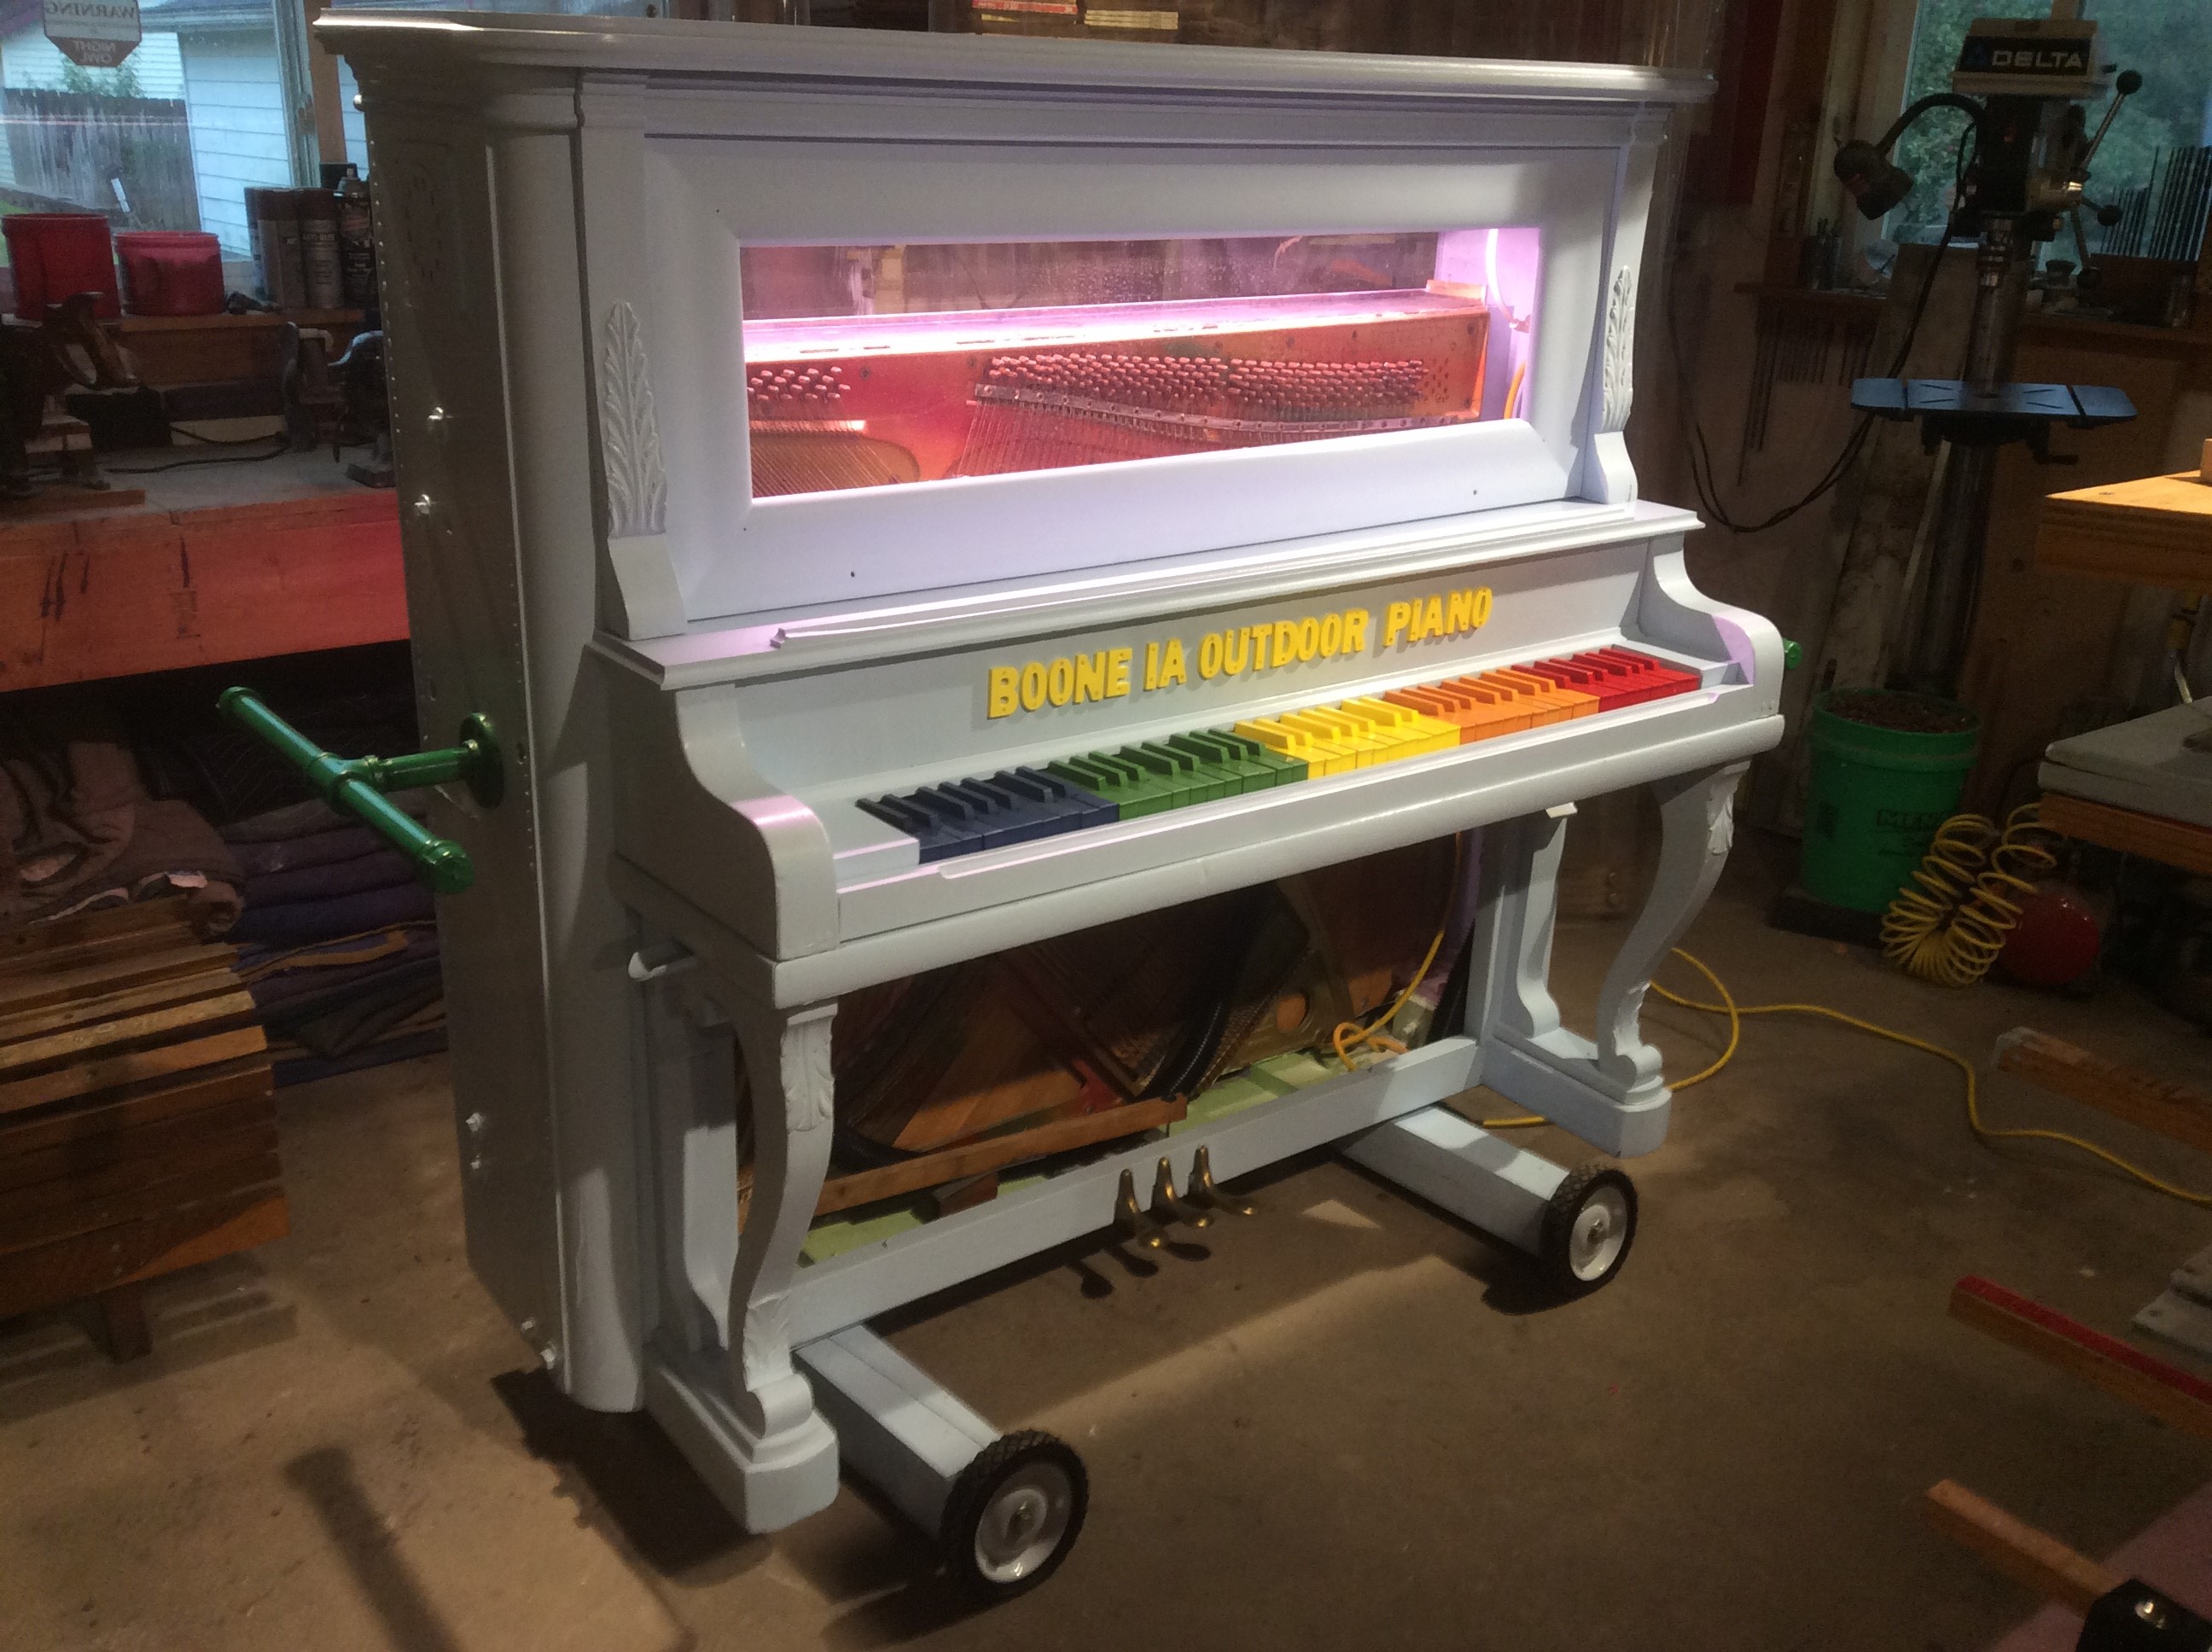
x,y
2155,165
168,139
872,365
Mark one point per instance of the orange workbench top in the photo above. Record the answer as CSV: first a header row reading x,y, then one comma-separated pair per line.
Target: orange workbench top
x,y
220,562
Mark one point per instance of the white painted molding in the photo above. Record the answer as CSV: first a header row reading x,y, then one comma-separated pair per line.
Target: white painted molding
x,y
1619,384
629,432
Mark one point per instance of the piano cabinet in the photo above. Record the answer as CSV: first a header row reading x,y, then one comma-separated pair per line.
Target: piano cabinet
x,y
904,498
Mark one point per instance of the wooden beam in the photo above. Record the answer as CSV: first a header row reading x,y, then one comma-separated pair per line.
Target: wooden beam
x,y
81,1012
83,1043
2034,1559
33,1229
159,1098
2174,842
2176,1110
149,1146
995,1153
130,1066
2165,1391
87,1263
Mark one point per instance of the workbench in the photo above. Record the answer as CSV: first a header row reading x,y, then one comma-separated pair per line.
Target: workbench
x,y
223,561
2153,531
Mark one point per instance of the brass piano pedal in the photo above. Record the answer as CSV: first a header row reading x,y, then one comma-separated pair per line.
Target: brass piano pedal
x,y
1130,1220
1205,1189
1166,1208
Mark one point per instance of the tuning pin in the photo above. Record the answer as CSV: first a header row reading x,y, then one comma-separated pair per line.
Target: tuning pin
x,y
1129,1220
1166,1208
1204,1188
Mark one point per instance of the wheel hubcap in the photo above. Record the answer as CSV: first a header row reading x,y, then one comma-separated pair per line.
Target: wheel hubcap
x,y
1601,1229
1023,1523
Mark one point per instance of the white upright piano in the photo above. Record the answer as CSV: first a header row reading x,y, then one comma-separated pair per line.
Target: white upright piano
x,y
901,497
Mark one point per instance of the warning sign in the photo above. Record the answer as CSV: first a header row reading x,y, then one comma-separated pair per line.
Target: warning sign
x,y
97,34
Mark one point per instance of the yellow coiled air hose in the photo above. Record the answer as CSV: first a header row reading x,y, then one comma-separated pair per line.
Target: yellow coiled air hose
x,y
1951,928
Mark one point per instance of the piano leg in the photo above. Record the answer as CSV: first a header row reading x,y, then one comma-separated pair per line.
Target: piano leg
x,y
1696,812
1609,1092
753,1433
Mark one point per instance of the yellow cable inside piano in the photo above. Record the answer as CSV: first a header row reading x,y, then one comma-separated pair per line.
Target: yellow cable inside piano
x,y
1736,1012
1350,1035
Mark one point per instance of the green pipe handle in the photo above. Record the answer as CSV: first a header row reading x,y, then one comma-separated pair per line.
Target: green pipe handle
x,y
356,786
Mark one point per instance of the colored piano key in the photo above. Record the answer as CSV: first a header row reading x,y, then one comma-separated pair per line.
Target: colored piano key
x,y
1096,788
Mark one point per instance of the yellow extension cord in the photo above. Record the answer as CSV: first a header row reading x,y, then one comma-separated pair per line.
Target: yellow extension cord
x,y
1736,1012
1966,933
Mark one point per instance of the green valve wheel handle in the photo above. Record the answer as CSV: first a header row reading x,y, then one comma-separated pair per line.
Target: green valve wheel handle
x,y
357,786
1793,654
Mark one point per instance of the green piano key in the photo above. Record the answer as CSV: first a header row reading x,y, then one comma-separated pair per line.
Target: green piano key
x,y
1194,782
1228,758
1288,770
1132,786
1174,786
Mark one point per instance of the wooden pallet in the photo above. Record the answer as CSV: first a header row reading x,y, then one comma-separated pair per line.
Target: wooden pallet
x,y
137,1119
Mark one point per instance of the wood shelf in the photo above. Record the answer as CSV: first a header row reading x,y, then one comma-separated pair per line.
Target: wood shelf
x,y
221,562
2077,331
225,322
2154,531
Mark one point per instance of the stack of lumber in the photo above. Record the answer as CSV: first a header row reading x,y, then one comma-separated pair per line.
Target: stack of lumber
x,y
137,1124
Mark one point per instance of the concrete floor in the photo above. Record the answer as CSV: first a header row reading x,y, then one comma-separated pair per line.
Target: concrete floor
x,y
1345,1423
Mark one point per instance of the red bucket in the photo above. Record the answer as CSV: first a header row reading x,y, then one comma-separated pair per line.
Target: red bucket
x,y
58,255
171,272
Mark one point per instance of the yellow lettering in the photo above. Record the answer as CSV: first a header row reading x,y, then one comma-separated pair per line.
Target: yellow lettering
x,y
1033,686
1258,634
1395,618
1309,637
1482,607
1209,656
1152,666
1286,641
1090,677
1172,669
1432,619
1004,687
1236,650
1117,674
1060,681
1459,612
1332,634
1355,630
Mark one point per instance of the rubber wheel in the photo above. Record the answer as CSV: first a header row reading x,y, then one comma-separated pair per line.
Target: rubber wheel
x,y
1589,1225
1013,1515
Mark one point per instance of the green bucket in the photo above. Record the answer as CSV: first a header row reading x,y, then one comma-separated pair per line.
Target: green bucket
x,y
1877,796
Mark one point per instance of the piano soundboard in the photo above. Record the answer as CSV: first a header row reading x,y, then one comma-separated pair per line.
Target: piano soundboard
x,y
901,498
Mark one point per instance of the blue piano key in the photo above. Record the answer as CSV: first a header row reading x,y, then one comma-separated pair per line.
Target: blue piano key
x,y
968,814
938,840
1091,809
1066,809
1004,812
954,817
